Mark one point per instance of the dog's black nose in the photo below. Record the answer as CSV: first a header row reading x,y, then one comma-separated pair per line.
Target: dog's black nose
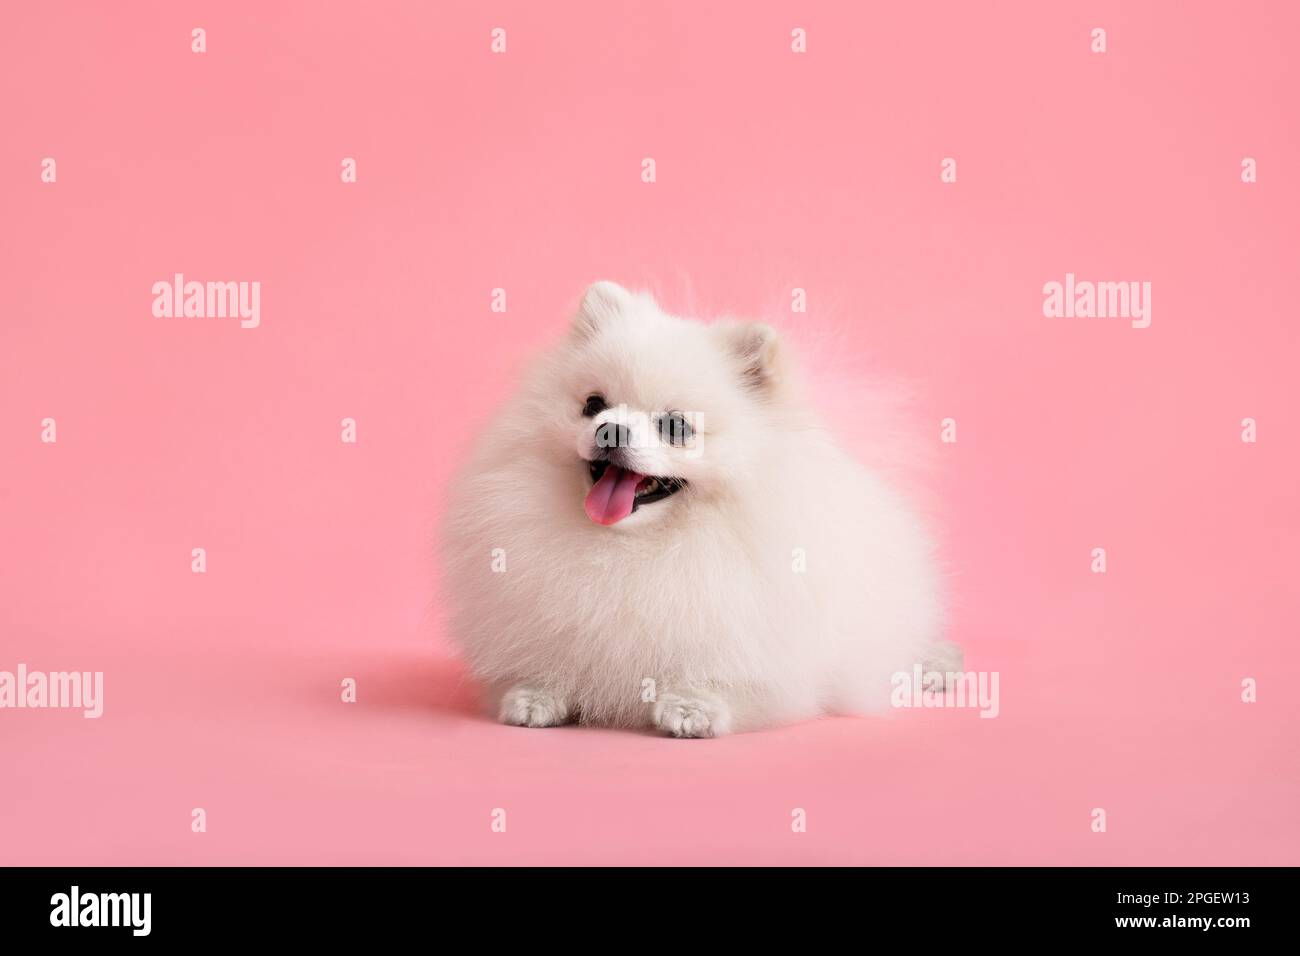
x,y
611,435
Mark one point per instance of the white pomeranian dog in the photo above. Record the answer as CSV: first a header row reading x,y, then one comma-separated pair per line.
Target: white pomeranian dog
x,y
657,532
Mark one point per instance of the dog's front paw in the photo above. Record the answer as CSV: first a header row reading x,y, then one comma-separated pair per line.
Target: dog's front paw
x,y
943,657
691,716
525,706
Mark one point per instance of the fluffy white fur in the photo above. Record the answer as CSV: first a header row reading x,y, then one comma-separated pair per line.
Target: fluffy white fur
x,y
699,593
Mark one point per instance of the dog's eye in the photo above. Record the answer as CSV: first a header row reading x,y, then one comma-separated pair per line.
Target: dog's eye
x,y
594,406
674,428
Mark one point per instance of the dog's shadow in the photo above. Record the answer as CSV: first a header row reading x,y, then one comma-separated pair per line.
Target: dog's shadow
x,y
438,685
425,683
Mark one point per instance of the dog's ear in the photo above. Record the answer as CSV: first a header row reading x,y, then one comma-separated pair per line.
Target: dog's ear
x,y
757,350
601,302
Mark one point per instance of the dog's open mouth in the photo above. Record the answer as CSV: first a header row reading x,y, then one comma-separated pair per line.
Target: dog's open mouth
x,y
616,492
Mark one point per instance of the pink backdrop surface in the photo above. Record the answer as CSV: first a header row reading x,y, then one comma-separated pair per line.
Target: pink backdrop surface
x,y
522,171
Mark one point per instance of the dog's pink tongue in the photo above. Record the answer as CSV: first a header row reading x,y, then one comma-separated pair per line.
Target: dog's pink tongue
x,y
610,499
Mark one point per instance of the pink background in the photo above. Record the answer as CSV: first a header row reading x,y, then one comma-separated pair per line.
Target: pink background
x,y
521,171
